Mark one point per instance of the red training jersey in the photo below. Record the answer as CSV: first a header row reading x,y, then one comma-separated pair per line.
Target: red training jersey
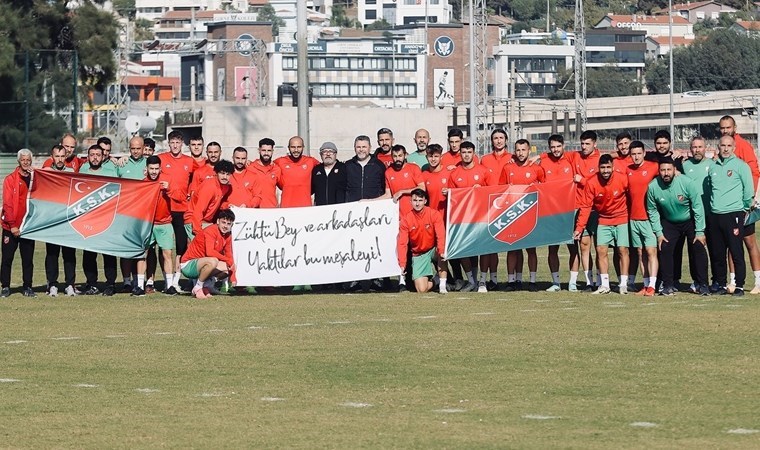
x,y
15,189
384,158
514,173
621,163
409,177
423,230
178,169
246,190
496,161
73,163
587,166
435,183
210,243
478,175
295,180
746,153
638,183
163,206
269,175
451,160
608,199
207,202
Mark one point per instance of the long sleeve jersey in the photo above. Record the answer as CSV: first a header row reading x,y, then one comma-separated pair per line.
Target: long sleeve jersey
x,y
210,243
608,198
423,230
676,202
730,182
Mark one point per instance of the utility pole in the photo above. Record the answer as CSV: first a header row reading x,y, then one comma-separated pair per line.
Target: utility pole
x,y
26,99
478,76
581,115
303,76
670,59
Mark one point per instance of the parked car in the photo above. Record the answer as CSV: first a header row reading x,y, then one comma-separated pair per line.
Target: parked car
x,y
694,94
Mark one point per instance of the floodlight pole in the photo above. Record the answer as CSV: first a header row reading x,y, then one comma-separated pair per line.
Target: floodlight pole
x,y
303,76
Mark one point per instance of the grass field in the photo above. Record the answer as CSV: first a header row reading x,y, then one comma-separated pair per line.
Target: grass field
x,y
496,370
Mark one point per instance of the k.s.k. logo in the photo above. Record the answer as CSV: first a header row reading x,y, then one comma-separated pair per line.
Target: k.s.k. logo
x,y
91,207
513,215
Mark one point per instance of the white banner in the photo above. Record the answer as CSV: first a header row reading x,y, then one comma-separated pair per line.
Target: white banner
x,y
315,245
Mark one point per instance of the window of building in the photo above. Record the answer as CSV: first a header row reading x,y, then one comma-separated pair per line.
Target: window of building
x,y
370,14
373,90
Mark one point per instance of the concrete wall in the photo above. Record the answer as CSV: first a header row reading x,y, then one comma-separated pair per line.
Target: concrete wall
x,y
234,126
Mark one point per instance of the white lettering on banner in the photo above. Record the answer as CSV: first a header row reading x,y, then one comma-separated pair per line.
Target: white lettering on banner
x,y
315,245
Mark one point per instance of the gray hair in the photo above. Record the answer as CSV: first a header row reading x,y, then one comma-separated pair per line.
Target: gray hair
x,y
363,138
24,152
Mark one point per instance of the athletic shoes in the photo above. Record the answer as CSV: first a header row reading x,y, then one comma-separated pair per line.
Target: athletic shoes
x,y
206,292
70,291
590,288
459,284
482,288
532,287
491,286
138,292
199,294
126,288
554,288
623,290
693,288
443,290
601,290
572,287
402,288
28,292
643,291
212,290
170,291
668,291
150,289
469,287
720,291
90,290
738,292
715,287
755,290
109,291
649,292
5,292
53,291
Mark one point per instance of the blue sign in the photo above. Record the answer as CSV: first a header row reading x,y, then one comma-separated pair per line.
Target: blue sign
x,y
444,46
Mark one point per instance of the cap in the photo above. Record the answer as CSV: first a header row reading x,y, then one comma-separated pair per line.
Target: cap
x,y
328,146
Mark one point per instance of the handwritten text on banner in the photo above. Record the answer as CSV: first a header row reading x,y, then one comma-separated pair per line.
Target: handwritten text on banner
x,y
315,245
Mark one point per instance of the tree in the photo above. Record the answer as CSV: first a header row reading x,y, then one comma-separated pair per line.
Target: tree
x,y
724,60
608,81
39,42
125,8
268,14
340,19
381,24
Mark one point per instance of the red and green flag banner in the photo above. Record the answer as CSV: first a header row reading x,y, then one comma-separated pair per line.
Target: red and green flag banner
x,y
494,219
106,215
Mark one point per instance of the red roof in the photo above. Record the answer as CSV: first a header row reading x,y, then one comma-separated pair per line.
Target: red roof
x,y
186,14
646,20
677,41
749,24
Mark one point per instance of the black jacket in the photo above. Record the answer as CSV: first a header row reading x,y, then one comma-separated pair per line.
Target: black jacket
x,y
329,190
364,182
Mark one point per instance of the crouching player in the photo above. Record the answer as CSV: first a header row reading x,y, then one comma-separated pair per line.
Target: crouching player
x,y
209,255
423,229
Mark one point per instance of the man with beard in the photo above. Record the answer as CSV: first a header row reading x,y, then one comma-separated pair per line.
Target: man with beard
x,y
384,142
269,173
436,179
205,171
663,149
623,154
295,175
746,153
69,144
401,179
495,162
559,165
587,162
640,173
470,174
697,167
15,190
94,166
421,141
674,206
731,196
245,184
52,251
605,192
149,147
328,180
365,180
520,172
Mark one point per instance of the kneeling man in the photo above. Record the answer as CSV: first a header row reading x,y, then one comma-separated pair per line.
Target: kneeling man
x,y
423,229
209,255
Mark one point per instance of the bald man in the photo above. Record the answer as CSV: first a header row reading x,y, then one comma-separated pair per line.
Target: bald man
x,y
295,175
421,141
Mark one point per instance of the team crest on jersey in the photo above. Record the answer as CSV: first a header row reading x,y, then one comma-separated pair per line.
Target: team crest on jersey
x,y
305,166
730,173
680,197
736,232
91,207
512,215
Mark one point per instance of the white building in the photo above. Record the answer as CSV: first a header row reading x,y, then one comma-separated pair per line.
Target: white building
x,y
404,12
537,59
653,25
155,9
